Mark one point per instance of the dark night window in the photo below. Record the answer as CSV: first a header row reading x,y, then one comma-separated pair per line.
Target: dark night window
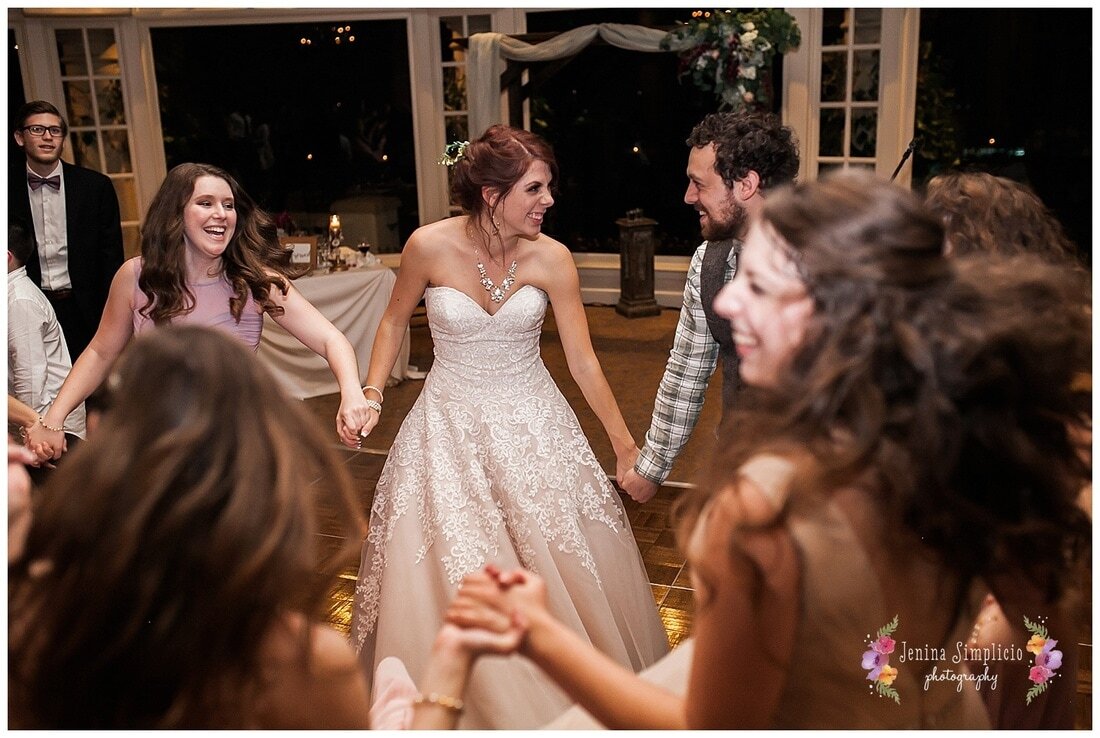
x,y
311,118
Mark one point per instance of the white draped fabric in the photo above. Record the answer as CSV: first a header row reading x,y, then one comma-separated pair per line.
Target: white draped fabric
x,y
488,52
353,301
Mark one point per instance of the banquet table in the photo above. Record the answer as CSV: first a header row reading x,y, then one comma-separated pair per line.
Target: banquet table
x,y
354,301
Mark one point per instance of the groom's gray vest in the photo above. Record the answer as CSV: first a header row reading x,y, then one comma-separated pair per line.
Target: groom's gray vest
x,y
712,278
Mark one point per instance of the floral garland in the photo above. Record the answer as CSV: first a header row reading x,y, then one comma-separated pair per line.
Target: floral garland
x,y
730,53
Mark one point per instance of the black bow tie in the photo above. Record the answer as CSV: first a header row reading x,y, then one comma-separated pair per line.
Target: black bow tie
x,y
36,182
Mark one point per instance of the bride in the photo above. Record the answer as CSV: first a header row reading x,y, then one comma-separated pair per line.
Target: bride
x,y
491,465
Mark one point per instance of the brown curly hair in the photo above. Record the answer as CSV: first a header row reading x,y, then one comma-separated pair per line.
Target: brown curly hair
x,y
171,543
943,386
984,213
747,142
250,258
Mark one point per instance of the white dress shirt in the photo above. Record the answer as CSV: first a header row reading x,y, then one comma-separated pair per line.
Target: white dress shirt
x,y
48,212
38,358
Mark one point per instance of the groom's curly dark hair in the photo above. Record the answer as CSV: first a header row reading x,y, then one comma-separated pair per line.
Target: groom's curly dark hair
x,y
747,142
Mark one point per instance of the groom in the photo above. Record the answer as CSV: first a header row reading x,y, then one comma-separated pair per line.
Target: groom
x,y
735,159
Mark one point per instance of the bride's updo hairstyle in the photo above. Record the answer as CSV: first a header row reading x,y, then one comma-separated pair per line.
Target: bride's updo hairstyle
x,y
497,160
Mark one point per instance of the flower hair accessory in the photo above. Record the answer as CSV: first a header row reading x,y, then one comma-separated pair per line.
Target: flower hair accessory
x,y
454,153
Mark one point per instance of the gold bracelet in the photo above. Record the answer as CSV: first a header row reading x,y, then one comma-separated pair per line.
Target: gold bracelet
x,y
42,423
381,397
453,704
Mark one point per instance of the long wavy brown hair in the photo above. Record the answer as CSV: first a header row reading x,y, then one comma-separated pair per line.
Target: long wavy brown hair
x,y
944,387
254,261
172,542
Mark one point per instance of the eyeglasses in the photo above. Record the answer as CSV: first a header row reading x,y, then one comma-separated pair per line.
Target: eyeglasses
x,y
55,131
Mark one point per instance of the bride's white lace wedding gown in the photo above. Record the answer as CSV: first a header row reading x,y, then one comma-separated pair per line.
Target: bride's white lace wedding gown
x,y
491,466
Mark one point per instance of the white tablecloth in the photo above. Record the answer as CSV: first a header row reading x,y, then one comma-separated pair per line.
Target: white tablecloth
x,y
354,301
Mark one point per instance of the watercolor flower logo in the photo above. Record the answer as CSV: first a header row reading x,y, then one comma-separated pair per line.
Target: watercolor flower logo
x,y
1047,658
876,659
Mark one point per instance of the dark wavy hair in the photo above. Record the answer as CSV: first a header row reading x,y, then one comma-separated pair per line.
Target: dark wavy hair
x,y
498,160
749,142
945,387
172,542
254,260
989,214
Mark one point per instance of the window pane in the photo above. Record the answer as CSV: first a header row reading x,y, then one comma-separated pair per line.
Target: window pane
x,y
479,23
834,27
827,168
70,50
868,25
85,150
864,123
116,147
323,122
101,43
109,97
454,88
865,75
78,101
831,137
127,197
834,76
458,128
450,28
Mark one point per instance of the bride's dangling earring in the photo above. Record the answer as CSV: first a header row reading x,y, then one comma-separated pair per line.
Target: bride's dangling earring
x,y
496,226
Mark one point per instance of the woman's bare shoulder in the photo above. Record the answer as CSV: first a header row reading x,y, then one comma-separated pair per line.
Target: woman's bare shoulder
x,y
326,689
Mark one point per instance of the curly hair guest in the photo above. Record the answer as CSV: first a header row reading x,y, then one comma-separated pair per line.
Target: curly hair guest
x,y
736,160
209,257
902,448
988,214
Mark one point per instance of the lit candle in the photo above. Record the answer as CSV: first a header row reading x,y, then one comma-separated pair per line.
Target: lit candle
x,y
334,221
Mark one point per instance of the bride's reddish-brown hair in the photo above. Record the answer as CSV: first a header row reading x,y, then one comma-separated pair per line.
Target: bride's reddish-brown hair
x,y
497,160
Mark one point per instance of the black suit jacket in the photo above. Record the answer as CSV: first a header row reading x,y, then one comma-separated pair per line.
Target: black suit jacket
x,y
93,229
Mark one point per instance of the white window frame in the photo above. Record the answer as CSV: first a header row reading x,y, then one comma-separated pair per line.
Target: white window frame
x,y
897,90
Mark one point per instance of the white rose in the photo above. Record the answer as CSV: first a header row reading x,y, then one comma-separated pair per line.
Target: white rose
x,y
746,71
748,26
748,38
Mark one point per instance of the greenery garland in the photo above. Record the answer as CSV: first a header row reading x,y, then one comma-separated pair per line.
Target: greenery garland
x,y
730,52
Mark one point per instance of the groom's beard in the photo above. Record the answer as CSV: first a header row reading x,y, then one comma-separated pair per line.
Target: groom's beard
x,y
730,224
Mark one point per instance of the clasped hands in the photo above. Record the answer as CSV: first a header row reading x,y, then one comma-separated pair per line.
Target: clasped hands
x,y
640,489
494,610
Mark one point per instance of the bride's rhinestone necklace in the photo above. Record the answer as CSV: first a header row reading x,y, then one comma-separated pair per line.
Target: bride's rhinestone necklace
x,y
496,294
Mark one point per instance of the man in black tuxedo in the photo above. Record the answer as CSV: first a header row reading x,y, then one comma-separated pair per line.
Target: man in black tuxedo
x,y
77,227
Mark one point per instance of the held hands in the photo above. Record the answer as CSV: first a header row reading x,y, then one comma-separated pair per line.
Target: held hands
x,y
354,415
640,489
45,444
624,462
499,607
